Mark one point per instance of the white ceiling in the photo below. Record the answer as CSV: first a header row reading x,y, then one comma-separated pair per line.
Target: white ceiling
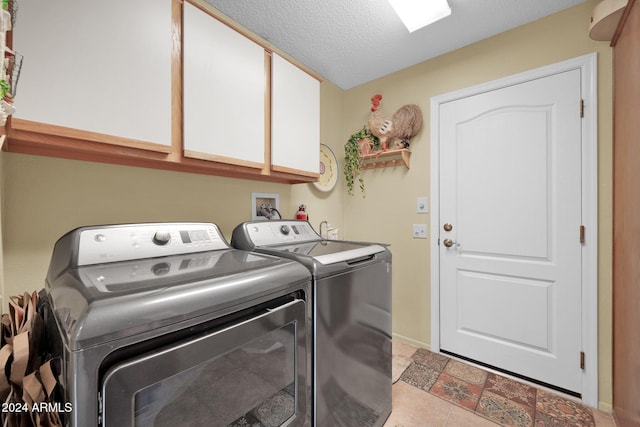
x,y
351,42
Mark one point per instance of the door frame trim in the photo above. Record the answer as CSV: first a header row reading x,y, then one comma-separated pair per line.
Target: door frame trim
x,y
587,64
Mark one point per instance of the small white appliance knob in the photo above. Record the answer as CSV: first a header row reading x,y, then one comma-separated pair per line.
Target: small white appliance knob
x,y
161,238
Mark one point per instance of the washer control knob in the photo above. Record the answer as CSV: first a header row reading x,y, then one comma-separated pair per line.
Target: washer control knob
x,y
285,229
161,238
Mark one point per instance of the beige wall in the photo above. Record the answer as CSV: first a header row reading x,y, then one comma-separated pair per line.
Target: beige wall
x,y
46,197
388,211
42,198
326,206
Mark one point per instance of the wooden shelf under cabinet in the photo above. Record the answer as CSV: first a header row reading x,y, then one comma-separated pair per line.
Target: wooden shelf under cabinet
x,y
387,158
26,137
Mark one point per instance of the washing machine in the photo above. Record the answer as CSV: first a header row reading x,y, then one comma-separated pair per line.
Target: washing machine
x,y
164,324
351,321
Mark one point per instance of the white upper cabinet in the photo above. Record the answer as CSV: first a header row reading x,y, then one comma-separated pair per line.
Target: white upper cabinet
x,y
224,92
168,84
98,66
295,119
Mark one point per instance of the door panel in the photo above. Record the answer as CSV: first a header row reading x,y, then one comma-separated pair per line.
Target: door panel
x,y
516,298
510,279
512,160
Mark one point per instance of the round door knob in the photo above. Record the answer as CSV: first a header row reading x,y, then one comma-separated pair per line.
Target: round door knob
x,y
448,227
448,242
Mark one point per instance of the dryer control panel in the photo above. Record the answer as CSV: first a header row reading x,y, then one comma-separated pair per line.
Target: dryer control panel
x,y
113,243
277,232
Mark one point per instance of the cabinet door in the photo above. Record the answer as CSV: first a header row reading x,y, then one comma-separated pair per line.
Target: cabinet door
x,y
97,66
224,92
295,119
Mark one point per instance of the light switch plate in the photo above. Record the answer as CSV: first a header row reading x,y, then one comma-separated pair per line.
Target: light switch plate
x,y
419,231
422,204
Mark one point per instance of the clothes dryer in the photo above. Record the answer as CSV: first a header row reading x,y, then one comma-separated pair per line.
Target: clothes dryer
x,y
165,324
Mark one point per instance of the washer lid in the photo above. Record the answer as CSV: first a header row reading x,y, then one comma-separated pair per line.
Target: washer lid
x,y
100,303
332,251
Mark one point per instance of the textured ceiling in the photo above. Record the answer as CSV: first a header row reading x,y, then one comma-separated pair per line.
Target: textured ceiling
x,y
351,42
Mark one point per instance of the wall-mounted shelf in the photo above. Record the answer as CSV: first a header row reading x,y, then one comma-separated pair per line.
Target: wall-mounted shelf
x,y
605,18
387,158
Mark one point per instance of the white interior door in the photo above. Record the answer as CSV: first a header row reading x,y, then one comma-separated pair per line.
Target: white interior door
x,y
510,196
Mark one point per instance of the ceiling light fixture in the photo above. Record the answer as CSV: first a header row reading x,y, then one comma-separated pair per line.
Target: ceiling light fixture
x,y
416,14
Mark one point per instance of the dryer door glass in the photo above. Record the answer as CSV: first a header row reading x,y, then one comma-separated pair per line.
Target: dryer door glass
x,y
250,373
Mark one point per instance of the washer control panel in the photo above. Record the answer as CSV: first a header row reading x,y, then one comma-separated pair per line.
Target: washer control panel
x,y
113,243
276,232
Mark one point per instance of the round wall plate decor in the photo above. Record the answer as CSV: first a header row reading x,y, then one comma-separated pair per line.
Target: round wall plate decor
x,y
328,169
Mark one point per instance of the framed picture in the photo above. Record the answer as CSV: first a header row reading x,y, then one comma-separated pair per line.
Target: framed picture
x,y
265,206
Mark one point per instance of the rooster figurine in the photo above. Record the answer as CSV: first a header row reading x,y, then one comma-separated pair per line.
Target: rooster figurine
x,y
403,125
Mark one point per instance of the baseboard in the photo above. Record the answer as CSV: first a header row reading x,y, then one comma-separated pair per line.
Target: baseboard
x,y
605,407
411,341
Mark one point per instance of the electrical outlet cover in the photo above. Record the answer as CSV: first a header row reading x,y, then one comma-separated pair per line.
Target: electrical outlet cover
x,y
419,231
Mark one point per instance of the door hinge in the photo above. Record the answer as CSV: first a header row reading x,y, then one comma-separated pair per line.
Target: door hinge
x,y
582,108
582,360
582,240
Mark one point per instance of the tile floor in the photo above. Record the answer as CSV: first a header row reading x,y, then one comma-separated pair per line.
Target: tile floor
x,y
431,390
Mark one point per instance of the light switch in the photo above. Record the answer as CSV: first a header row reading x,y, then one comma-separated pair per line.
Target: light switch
x,y
422,205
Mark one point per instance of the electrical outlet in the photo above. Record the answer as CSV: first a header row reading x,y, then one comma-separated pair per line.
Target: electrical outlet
x,y
422,205
419,231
